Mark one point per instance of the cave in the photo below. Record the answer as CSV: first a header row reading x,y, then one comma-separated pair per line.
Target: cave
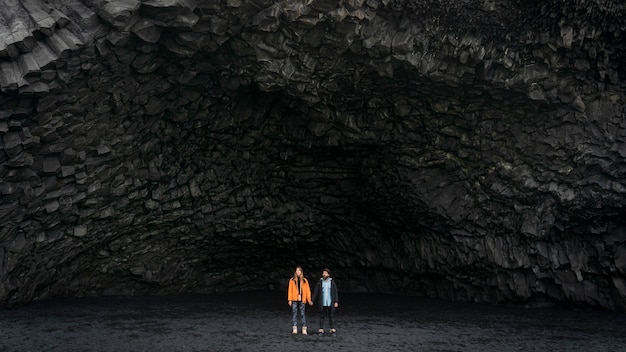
x,y
467,150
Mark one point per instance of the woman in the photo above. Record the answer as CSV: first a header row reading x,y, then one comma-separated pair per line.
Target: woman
x,y
298,295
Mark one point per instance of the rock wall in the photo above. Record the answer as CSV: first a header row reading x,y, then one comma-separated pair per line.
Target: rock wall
x,y
469,150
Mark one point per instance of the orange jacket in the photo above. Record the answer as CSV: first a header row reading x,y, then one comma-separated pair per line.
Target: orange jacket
x,y
292,293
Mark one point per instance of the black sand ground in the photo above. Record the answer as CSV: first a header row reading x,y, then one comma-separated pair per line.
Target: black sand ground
x,y
260,321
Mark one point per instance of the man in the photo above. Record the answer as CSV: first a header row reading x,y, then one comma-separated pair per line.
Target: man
x,y
326,296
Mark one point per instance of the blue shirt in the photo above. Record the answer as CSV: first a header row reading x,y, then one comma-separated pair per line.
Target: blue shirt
x,y
326,300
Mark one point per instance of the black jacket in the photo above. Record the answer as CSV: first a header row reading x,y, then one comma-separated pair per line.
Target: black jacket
x,y
318,297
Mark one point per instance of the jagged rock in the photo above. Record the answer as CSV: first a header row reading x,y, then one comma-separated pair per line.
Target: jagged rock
x,y
469,150
147,30
171,13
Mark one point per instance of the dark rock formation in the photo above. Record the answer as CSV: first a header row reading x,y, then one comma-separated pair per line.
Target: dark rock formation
x,y
468,149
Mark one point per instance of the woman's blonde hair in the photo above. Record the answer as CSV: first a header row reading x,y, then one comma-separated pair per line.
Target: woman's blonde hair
x,y
295,277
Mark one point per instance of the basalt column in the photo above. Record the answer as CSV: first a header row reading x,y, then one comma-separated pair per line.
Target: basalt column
x,y
468,150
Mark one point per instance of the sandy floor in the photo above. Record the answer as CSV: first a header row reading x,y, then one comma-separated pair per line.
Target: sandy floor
x,y
260,321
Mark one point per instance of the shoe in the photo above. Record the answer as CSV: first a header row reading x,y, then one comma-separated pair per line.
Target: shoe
x,y
304,330
332,331
320,331
295,330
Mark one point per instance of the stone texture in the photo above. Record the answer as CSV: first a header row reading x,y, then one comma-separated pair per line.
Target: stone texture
x,y
468,150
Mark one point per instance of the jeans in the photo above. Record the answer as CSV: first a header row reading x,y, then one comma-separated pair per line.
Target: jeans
x,y
295,307
327,312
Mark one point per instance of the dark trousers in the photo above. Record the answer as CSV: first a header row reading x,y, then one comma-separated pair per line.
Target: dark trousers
x,y
327,312
297,306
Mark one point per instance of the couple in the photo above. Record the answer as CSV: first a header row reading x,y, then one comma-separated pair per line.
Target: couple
x,y
325,295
